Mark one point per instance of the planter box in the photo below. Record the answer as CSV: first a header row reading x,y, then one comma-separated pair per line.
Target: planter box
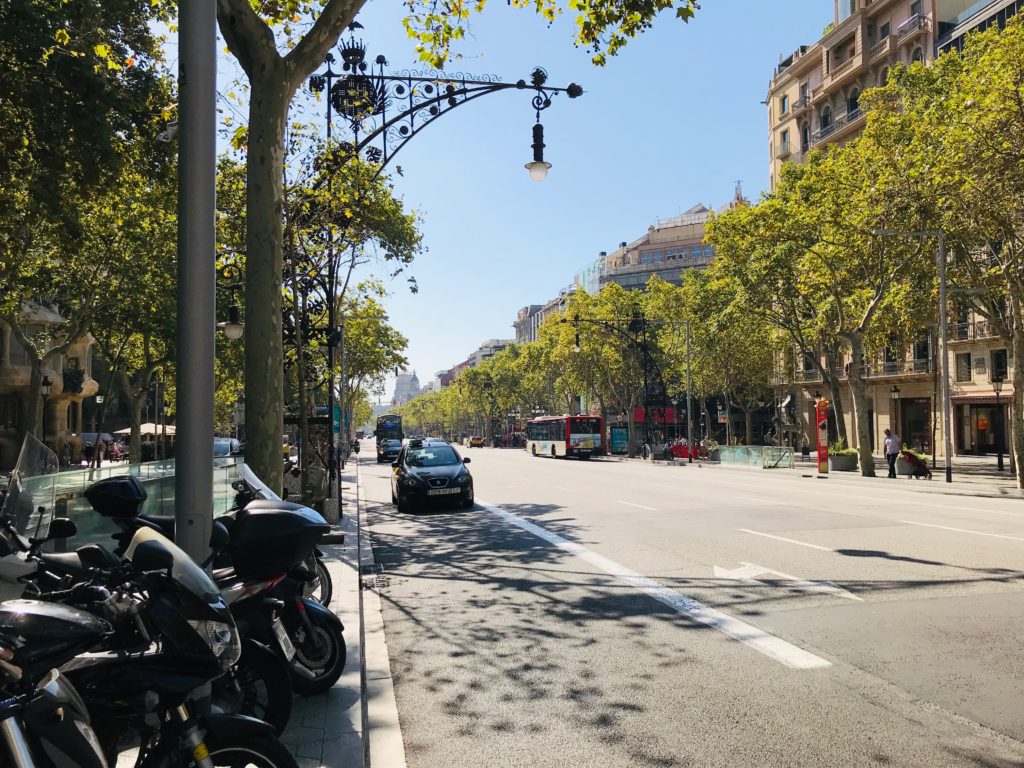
x,y
843,463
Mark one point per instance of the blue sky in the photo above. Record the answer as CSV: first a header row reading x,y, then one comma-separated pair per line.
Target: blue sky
x,y
674,120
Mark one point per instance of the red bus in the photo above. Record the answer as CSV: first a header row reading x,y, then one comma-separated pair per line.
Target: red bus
x,y
580,436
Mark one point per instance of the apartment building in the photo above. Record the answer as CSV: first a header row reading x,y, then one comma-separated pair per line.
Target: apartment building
x,y
813,100
71,382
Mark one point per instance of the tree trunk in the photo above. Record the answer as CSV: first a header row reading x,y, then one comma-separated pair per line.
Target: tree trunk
x,y
1017,409
860,404
135,441
833,362
748,419
264,352
728,421
32,402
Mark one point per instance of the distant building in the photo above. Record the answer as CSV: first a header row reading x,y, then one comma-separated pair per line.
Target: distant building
x,y
407,386
487,350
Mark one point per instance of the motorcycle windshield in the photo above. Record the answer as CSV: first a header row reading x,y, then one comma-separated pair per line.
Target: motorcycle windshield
x,y
257,486
184,569
32,492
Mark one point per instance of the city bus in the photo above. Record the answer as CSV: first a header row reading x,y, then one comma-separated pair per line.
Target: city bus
x,y
389,427
580,436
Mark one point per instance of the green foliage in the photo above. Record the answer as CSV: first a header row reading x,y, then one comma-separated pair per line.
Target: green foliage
x,y
839,448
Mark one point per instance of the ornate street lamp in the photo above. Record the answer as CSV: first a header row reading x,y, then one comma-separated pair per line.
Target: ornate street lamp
x,y
44,389
233,327
997,387
894,393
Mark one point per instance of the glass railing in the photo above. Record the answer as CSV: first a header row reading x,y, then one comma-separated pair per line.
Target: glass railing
x,y
157,477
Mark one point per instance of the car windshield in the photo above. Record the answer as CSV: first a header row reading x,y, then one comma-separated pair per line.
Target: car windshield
x,y
432,456
221,447
392,444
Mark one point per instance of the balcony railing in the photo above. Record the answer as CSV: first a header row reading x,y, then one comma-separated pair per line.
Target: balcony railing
x,y
839,123
898,368
802,103
804,376
880,48
979,329
914,24
837,70
783,152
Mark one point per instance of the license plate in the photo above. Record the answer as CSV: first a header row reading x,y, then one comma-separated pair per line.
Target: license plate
x,y
283,640
443,491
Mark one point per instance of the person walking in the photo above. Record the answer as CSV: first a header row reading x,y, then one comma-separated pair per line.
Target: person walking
x,y
892,450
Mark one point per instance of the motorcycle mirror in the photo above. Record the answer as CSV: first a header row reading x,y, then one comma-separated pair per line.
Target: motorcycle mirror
x,y
219,536
61,528
151,556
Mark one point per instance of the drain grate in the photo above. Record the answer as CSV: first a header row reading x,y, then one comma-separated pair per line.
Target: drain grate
x,y
373,577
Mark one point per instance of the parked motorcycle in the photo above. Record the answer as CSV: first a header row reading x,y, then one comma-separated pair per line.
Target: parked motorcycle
x,y
187,639
268,544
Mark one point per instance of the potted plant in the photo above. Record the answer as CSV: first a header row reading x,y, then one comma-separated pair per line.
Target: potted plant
x,y
841,458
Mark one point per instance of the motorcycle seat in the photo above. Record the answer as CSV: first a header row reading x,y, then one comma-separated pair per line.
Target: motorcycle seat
x,y
163,523
68,563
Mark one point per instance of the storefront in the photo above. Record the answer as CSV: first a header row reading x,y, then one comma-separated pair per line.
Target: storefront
x,y
981,425
915,420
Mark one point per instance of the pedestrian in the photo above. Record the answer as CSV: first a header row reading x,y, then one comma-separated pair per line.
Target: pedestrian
x,y
892,450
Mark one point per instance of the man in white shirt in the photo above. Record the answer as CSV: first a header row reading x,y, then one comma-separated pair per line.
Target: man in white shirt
x,y
892,450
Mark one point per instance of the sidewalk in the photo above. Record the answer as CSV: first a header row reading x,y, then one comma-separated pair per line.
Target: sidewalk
x,y
356,722
972,475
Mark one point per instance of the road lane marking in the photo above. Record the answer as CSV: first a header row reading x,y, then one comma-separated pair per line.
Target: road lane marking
x,y
638,506
965,530
791,541
563,488
773,647
750,571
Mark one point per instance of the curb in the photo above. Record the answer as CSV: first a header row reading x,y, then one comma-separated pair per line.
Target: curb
x,y
383,744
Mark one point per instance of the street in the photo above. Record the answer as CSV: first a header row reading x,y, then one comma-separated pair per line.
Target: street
x,y
624,614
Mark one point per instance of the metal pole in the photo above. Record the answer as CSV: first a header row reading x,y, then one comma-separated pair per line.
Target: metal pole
x,y
197,163
647,416
689,399
341,397
944,344
999,434
332,278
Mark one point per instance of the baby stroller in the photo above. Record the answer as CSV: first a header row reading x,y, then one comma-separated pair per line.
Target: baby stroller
x,y
917,467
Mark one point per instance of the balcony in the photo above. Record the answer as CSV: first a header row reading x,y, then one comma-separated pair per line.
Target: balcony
x,y
915,24
979,329
883,47
844,70
806,376
783,152
801,104
899,368
837,127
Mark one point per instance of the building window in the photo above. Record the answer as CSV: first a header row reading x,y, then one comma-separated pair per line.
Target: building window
x,y
696,253
709,252
804,91
883,31
853,103
805,137
785,141
826,117
883,76
1000,367
922,348
915,8
963,366
917,55
784,105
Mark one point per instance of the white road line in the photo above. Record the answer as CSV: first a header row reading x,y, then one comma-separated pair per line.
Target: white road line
x,y
791,541
765,501
965,530
563,488
638,506
771,646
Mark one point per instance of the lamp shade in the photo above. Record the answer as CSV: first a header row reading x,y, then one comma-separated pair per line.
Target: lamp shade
x,y
538,169
997,384
45,385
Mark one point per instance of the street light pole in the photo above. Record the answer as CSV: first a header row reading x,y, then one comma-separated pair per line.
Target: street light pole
x,y
689,399
944,370
997,387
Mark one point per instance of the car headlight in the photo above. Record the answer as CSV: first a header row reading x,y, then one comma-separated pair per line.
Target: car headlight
x,y
462,479
222,640
410,482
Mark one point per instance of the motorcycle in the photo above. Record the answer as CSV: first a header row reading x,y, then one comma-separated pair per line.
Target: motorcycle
x,y
186,640
267,544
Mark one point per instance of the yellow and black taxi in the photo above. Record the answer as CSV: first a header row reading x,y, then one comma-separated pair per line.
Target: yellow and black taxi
x,y
430,474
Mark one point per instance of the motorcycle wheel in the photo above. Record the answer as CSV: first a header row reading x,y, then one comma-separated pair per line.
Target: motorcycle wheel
x,y
319,658
263,751
322,587
259,686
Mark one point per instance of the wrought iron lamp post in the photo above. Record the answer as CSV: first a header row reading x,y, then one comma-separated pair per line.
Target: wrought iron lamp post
x,y
233,328
997,387
44,389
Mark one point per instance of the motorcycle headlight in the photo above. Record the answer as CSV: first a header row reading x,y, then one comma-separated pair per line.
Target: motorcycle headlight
x,y
222,639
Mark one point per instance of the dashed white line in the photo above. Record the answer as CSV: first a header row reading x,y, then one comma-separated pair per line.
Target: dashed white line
x,y
638,506
563,488
773,647
791,541
964,530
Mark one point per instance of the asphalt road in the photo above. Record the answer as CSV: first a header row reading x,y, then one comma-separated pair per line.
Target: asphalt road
x,y
624,614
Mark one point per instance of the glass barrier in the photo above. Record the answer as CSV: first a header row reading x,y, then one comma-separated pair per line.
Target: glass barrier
x,y
157,477
743,455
